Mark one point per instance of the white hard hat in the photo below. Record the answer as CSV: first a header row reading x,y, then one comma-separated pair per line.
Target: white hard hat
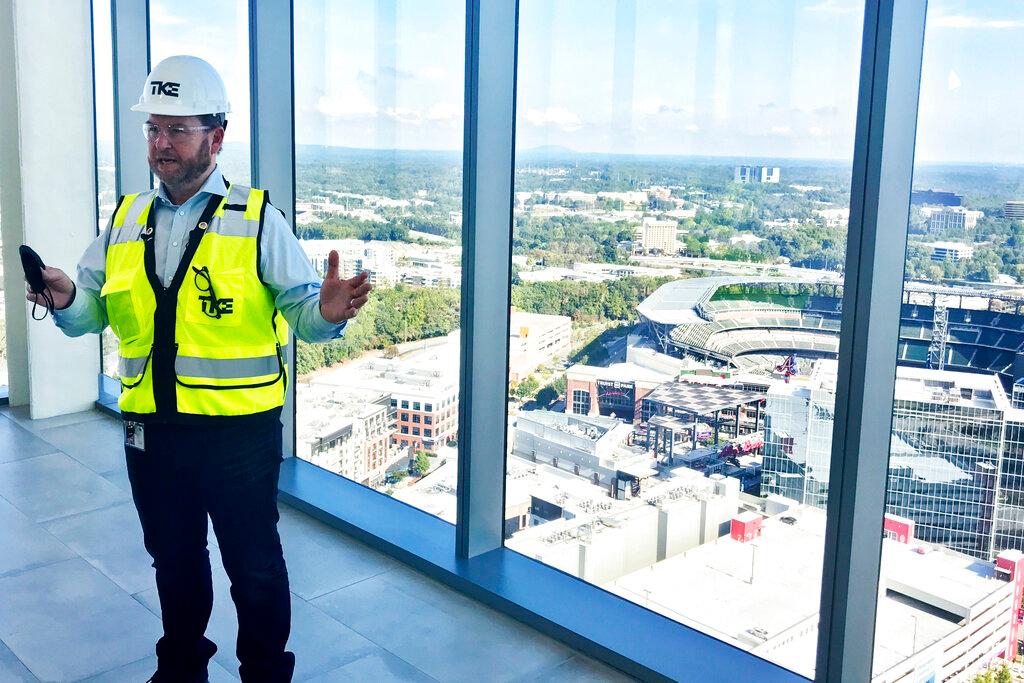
x,y
183,86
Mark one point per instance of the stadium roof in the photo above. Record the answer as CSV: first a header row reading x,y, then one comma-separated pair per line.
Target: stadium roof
x,y
674,303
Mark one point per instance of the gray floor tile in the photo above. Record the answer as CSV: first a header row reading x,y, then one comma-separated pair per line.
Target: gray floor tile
x,y
320,559
55,485
17,443
581,669
119,478
139,671
20,415
110,539
66,621
11,668
319,642
380,667
26,545
434,624
97,444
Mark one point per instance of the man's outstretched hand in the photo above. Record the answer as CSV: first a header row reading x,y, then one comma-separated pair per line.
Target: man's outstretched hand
x,y
342,299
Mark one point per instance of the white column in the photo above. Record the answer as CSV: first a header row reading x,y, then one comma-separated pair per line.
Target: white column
x,y
47,190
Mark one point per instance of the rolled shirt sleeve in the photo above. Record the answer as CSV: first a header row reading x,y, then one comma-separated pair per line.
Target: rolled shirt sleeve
x,y
87,313
295,284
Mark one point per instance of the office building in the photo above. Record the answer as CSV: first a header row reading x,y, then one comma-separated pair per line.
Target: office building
x,y
658,236
936,198
756,174
536,339
956,459
954,218
1014,209
951,251
347,431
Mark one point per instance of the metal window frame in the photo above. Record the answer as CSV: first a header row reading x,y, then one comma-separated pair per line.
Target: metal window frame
x,y
129,40
129,20
883,166
272,141
473,559
488,169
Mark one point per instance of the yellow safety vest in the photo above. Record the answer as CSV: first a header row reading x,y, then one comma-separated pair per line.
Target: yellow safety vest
x,y
211,344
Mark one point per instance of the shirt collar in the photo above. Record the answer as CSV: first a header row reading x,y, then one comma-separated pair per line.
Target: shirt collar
x,y
214,185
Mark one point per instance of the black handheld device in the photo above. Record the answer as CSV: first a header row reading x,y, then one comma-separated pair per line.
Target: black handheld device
x,y
33,267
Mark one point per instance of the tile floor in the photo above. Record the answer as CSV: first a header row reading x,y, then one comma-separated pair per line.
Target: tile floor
x,y
78,601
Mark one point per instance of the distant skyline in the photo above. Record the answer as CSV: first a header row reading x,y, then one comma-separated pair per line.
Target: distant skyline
x,y
776,78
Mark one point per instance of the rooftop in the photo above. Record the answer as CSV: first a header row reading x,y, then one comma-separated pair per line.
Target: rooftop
x,y
763,592
619,372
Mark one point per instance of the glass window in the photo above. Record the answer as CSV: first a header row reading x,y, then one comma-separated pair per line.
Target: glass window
x,y
219,33
649,133
405,430
415,418
379,89
106,197
426,432
416,431
954,515
428,419
429,408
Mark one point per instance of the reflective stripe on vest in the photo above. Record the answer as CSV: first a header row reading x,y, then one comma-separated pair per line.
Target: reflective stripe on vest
x,y
210,342
226,368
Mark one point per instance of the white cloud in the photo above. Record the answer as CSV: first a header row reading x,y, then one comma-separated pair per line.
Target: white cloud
x,y
347,100
404,115
832,7
965,21
444,111
555,116
692,128
781,130
816,131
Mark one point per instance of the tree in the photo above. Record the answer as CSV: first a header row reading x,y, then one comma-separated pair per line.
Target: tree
x,y
528,387
420,464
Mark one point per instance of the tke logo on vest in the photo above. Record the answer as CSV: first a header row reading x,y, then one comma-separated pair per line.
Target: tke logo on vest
x,y
212,306
168,88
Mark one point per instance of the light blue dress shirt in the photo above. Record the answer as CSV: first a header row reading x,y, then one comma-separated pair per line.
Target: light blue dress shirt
x,y
286,270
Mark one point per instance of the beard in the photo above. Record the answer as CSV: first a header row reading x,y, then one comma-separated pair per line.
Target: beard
x,y
188,170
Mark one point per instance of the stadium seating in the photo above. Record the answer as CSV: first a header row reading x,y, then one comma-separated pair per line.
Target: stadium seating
x,y
757,335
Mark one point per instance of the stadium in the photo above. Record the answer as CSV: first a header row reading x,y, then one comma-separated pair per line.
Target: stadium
x,y
754,324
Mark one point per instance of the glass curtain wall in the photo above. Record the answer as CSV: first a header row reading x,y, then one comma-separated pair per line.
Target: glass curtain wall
x,y
951,576
106,198
681,205
379,90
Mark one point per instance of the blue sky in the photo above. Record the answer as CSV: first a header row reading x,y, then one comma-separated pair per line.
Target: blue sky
x,y
771,78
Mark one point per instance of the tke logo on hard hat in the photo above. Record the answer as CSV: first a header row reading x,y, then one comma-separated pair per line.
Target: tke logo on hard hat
x,y
168,88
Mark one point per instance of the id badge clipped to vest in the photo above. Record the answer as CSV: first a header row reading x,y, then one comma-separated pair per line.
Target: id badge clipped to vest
x,y
135,435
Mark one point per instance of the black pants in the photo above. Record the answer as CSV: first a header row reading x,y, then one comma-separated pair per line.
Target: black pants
x,y
229,471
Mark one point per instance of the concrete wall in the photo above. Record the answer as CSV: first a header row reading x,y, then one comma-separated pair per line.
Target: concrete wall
x,y
47,190
679,528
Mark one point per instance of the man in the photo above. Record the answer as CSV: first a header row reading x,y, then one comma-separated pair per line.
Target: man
x,y
200,281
